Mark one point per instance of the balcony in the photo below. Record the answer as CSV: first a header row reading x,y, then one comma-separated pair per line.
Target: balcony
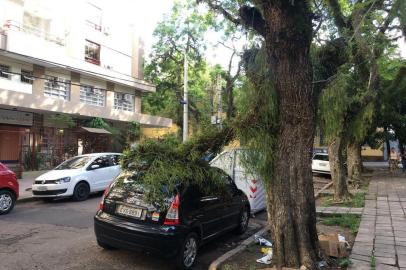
x,y
3,41
16,26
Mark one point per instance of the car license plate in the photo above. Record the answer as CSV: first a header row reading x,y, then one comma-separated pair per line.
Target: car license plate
x,y
323,164
129,211
42,188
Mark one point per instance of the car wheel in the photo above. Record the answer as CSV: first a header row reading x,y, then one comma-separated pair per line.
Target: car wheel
x,y
81,191
188,252
104,245
7,201
243,221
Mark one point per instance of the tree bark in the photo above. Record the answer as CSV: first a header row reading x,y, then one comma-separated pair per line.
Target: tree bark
x,y
387,149
291,194
230,113
338,173
354,162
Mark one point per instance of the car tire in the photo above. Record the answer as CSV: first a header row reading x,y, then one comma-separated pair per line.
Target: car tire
x,y
81,191
186,257
7,201
243,221
104,245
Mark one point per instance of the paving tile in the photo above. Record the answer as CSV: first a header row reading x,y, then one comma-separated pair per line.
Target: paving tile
x,y
402,261
385,254
364,258
359,265
385,267
383,226
400,250
385,260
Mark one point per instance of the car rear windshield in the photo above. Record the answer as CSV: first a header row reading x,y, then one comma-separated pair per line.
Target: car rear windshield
x,y
74,163
321,157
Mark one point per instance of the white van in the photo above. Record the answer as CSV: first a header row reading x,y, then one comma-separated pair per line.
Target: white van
x,y
251,185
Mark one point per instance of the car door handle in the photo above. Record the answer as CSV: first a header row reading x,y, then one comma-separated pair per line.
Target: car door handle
x,y
209,199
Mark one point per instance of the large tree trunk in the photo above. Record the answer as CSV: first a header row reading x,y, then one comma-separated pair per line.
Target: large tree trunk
x,y
291,194
354,162
338,174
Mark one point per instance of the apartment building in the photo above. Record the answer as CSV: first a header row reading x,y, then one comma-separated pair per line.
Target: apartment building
x,y
66,59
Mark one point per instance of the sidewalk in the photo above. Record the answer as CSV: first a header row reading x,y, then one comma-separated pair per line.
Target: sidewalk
x,y
25,189
331,210
25,184
381,239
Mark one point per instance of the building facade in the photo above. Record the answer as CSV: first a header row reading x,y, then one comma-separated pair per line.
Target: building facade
x,y
66,60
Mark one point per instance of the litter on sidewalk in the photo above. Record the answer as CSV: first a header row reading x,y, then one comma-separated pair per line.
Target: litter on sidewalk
x,y
333,245
262,241
267,259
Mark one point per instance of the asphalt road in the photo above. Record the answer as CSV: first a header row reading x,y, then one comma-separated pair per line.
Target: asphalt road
x,y
59,235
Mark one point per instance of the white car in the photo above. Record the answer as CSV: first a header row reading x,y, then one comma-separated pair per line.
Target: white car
x,y
78,177
320,163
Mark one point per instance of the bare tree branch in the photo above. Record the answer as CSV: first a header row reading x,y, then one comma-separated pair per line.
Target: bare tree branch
x,y
340,20
249,17
217,7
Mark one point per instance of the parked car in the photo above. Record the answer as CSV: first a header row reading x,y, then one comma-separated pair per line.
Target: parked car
x,y
9,189
194,217
231,162
321,164
78,177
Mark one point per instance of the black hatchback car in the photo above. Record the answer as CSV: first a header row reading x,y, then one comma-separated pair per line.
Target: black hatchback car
x,y
124,220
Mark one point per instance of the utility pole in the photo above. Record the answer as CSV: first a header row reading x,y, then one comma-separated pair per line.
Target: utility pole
x,y
220,102
185,99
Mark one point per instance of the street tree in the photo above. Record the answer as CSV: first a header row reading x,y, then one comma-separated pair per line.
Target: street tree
x,y
286,30
389,120
348,102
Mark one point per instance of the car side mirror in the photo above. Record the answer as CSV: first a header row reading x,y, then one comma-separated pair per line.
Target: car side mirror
x,y
94,166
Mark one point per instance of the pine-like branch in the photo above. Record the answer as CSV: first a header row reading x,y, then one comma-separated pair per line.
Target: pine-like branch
x,y
249,17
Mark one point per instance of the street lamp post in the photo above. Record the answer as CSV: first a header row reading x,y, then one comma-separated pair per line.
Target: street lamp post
x,y
185,99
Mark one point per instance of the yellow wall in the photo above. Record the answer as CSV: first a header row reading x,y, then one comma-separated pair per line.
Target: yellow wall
x,y
154,133
367,151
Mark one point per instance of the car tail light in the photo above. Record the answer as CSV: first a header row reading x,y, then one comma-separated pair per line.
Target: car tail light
x,y
172,216
101,204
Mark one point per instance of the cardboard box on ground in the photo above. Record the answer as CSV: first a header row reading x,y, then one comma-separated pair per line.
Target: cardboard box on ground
x,y
332,246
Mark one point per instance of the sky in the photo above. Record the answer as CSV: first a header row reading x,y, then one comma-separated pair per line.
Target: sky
x,y
146,14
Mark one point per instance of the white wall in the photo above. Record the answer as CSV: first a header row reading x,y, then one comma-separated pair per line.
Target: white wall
x,y
14,83
68,22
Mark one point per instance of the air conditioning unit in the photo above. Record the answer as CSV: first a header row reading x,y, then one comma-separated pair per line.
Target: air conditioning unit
x,y
54,82
125,98
3,41
106,30
90,90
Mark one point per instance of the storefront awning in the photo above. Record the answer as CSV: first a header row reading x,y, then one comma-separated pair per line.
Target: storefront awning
x,y
96,130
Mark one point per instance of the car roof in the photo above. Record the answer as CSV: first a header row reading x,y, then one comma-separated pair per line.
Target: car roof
x,y
99,154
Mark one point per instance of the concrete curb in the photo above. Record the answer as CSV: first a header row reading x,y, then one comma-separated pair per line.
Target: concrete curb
x,y
216,263
26,199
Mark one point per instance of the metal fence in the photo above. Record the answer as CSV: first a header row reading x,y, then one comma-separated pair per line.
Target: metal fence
x,y
45,158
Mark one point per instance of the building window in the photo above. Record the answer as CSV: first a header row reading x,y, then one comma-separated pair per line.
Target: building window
x,y
5,72
92,96
92,52
26,76
57,87
93,16
124,102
